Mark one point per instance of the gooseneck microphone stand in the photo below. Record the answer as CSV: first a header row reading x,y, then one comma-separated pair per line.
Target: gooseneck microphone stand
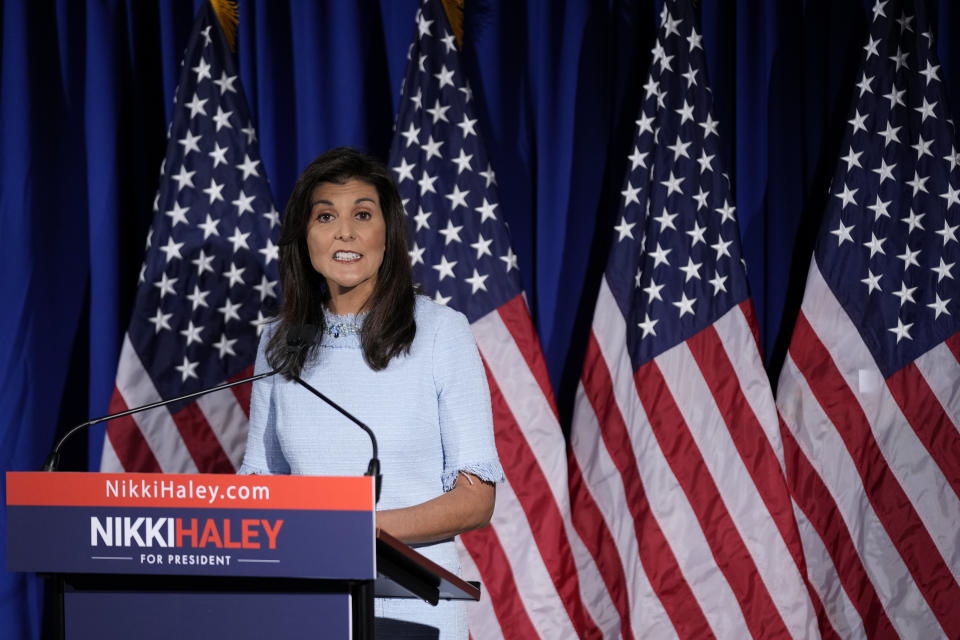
x,y
298,339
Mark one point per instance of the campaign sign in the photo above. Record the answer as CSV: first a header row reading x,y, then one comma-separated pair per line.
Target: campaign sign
x,y
191,524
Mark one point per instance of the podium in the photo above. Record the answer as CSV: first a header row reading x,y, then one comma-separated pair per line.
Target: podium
x,y
206,556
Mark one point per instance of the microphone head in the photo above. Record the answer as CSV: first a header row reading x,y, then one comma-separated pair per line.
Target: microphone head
x,y
301,337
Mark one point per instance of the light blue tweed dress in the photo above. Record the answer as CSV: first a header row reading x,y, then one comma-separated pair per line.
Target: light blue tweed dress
x,y
430,411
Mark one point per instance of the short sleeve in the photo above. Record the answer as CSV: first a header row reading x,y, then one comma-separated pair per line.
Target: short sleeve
x,y
263,455
466,417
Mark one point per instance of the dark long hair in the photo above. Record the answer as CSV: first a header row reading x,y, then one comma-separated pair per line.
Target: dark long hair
x,y
389,327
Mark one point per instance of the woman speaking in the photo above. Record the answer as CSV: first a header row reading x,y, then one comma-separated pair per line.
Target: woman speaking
x,y
404,365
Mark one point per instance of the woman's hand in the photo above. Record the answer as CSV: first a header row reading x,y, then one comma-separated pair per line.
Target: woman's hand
x,y
469,505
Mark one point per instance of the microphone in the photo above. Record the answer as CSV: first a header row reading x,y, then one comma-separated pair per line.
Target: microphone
x,y
373,468
298,338
53,460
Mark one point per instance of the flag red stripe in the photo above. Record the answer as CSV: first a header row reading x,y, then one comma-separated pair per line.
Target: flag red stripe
x,y
128,442
730,552
200,441
814,499
242,391
751,442
589,523
533,492
929,421
953,342
498,579
747,435
887,497
827,632
516,318
659,562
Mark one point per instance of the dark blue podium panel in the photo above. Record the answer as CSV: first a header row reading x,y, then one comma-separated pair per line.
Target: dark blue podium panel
x,y
150,615
310,544
191,525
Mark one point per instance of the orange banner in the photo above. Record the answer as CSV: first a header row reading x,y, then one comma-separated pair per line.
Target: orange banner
x,y
190,490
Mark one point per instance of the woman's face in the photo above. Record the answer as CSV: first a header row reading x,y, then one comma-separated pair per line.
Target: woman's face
x,y
346,238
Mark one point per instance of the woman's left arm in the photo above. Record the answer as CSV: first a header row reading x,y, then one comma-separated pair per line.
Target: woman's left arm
x,y
470,463
467,506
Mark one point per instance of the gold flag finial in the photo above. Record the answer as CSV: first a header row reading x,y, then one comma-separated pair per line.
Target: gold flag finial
x,y
454,10
226,11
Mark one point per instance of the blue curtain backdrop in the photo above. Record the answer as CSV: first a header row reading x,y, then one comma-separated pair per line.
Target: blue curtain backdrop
x,y
85,97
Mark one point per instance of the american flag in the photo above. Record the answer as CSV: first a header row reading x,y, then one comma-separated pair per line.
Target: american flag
x,y
868,393
528,557
210,271
677,478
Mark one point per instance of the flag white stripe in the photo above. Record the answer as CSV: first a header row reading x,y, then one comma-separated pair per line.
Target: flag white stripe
x,y
843,615
482,619
593,590
228,421
825,451
668,503
742,500
156,425
533,581
532,410
537,421
736,336
904,453
602,479
109,462
942,371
